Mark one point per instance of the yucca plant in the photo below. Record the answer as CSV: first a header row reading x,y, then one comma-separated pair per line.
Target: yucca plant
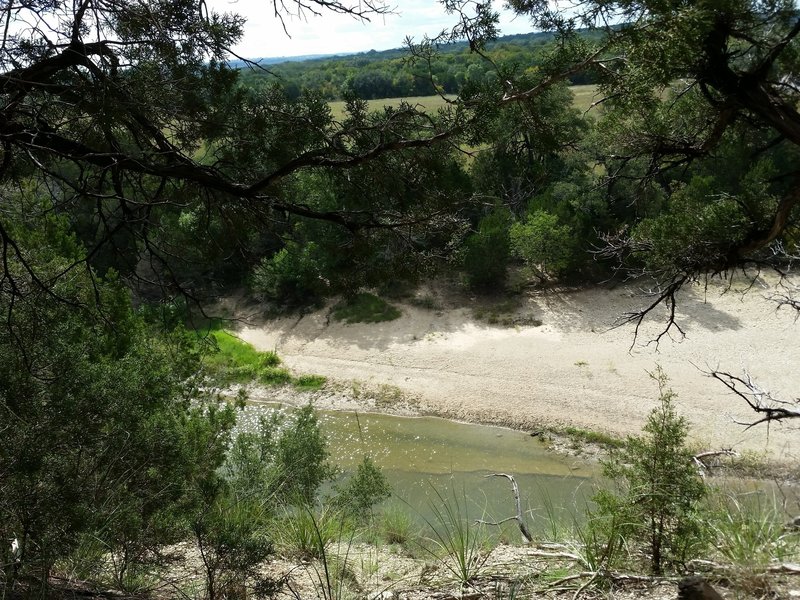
x,y
749,534
330,536
456,541
396,525
305,532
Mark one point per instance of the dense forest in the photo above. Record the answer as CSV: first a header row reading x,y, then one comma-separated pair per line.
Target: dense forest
x,y
142,176
392,73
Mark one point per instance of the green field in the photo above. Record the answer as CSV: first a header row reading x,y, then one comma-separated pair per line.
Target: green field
x,y
585,95
427,103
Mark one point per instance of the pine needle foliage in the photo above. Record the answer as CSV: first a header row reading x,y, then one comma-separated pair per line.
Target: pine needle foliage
x,y
658,492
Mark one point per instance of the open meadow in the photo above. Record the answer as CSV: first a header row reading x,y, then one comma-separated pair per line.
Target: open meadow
x,y
585,95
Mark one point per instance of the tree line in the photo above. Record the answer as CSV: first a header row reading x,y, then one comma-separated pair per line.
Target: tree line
x,y
390,73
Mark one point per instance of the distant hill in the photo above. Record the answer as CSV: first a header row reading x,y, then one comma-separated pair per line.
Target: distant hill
x,y
390,53
388,73
275,60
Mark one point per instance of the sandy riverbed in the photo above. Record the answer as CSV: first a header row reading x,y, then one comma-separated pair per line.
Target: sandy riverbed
x,y
570,370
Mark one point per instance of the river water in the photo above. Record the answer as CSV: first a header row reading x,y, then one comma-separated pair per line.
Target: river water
x,y
424,457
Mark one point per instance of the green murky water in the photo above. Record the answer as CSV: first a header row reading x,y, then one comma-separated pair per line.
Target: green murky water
x,y
425,454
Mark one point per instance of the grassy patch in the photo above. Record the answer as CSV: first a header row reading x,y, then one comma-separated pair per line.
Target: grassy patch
x,y
365,308
500,313
396,525
749,536
304,532
585,96
592,437
456,541
427,301
384,395
309,382
428,104
274,376
235,361
505,314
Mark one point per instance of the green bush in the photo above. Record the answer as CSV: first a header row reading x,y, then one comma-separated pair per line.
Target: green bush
x,y
231,533
100,417
292,276
301,457
284,462
367,487
546,247
703,224
486,251
657,501
365,308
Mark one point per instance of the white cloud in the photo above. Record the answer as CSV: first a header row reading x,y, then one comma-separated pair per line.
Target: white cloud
x,y
333,33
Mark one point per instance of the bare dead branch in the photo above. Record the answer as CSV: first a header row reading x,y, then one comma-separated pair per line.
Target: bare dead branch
x,y
665,294
519,517
761,401
700,459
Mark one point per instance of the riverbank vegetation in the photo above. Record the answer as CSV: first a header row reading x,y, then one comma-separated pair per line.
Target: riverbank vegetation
x,y
227,360
260,521
140,172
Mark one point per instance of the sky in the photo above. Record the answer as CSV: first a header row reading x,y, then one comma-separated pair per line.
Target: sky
x,y
332,33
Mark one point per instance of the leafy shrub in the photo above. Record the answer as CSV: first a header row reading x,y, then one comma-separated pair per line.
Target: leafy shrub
x,y
284,462
366,488
231,533
546,247
300,457
657,501
97,435
365,308
703,225
486,251
292,276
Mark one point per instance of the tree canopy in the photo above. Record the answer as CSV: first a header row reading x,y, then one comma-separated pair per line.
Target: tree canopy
x,y
127,116
698,132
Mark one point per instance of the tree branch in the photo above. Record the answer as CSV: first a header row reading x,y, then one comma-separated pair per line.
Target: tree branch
x,y
761,401
519,518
